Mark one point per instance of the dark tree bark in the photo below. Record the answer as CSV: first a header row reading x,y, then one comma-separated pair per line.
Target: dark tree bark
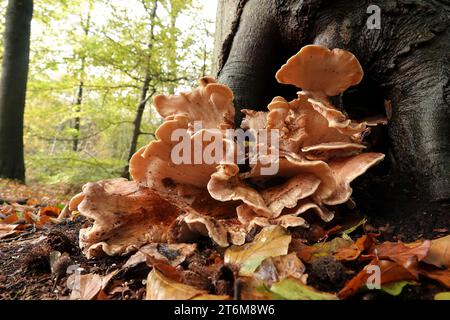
x,y
137,124
13,88
407,67
77,120
144,94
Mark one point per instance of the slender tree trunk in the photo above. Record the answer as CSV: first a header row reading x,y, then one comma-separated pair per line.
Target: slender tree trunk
x,y
137,124
173,66
205,59
79,101
77,120
13,85
144,96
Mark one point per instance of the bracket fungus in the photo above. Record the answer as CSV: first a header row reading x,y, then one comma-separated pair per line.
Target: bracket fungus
x,y
320,152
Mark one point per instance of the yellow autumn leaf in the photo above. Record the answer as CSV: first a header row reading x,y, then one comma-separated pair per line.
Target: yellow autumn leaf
x,y
272,241
442,296
294,289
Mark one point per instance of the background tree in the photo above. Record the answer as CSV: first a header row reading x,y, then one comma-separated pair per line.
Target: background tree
x,y
13,85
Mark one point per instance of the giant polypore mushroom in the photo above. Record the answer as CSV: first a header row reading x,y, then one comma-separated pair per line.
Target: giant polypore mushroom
x,y
320,154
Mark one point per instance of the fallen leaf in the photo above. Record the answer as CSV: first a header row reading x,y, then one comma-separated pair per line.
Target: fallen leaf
x,y
272,241
173,254
310,253
354,251
274,269
442,296
406,255
160,287
30,217
395,288
102,295
251,288
267,271
389,272
330,247
439,253
7,230
14,217
88,286
294,289
84,287
355,284
166,270
49,211
303,251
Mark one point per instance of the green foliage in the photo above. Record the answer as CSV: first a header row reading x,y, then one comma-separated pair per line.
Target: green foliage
x,y
70,167
107,48
2,27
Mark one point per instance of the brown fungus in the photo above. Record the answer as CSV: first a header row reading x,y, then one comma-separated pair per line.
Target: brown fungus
x,y
321,151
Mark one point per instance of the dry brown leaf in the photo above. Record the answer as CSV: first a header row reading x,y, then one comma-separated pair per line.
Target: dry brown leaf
x,y
439,253
303,251
102,295
49,211
173,254
7,230
390,272
407,256
309,253
160,287
274,269
355,250
11,218
88,286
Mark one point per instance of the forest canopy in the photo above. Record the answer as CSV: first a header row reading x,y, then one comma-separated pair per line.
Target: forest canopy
x,y
94,67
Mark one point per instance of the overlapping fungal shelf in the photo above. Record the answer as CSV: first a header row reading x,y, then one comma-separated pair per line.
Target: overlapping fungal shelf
x,y
321,151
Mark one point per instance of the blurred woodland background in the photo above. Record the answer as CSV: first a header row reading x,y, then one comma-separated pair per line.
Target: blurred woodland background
x,y
93,70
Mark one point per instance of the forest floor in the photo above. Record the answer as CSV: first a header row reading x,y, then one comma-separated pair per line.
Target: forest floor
x,y
31,266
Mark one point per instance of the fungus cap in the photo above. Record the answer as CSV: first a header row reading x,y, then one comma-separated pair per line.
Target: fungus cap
x,y
317,69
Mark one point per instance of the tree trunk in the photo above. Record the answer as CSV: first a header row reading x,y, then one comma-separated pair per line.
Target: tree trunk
x,y
137,125
13,85
407,66
144,95
77,120
173,65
